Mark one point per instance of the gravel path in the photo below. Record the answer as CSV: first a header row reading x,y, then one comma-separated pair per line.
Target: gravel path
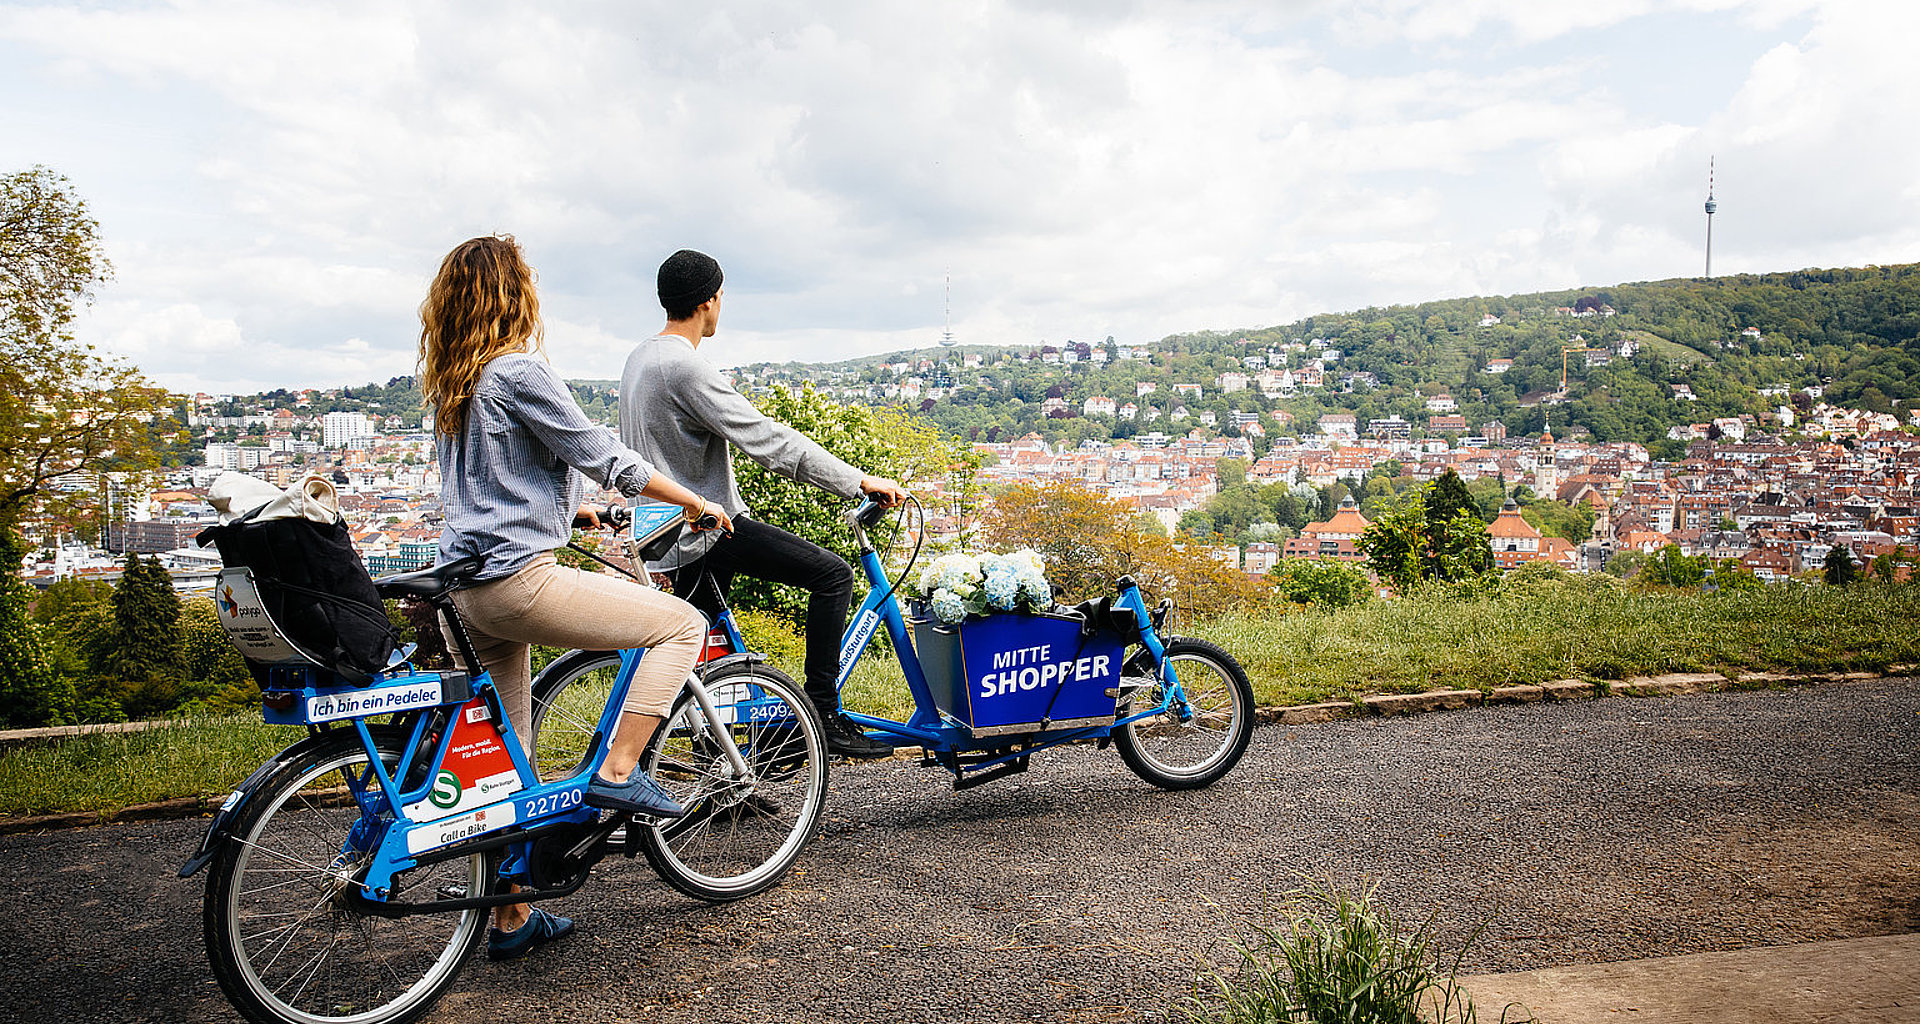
x,y
1578,833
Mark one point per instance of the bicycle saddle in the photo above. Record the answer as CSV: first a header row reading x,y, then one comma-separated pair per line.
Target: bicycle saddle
x,y
429,583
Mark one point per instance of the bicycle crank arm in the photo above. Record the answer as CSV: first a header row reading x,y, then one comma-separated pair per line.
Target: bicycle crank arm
x,y
395,909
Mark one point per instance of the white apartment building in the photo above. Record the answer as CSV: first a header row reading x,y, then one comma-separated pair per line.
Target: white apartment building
x,y
339,428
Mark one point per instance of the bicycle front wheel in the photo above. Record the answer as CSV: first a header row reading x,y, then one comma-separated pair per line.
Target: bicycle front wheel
x,y
286,942
742,834
1195,741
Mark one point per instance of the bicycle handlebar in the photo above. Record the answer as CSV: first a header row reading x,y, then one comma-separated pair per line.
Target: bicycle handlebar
x,y
867,514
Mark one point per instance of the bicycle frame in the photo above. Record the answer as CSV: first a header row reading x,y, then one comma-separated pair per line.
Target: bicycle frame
x,y
945,740
405,828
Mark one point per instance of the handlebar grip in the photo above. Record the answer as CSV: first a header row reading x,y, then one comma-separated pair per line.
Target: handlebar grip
x,y
868,513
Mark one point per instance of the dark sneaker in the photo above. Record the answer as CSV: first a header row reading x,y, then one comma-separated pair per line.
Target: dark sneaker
x,y
540,929
638,795
847,740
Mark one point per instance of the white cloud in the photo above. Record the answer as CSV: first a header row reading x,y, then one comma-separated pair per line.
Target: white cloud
x,y
1082,169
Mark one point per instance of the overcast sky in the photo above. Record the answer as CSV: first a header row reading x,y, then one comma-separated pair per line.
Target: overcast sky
x,y
276,182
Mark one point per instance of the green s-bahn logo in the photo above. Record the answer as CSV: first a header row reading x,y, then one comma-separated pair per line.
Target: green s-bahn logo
x,y
446,789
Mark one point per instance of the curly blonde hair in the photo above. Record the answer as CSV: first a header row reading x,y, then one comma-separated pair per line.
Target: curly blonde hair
x,y
481,305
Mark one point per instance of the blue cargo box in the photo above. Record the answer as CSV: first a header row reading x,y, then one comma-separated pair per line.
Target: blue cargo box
x,y
1007,674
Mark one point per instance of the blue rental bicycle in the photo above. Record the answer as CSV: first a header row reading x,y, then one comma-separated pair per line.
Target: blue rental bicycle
x,y
991,692
352,875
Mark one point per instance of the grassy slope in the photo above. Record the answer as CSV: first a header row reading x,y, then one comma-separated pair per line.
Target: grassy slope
x,y
1529,633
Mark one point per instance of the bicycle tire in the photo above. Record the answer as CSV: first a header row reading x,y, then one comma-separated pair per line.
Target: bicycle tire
x,y
568,697
716,853
1195,753
740,836
286,945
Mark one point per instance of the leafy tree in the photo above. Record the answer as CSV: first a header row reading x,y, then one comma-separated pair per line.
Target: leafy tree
x,y
31,693
882,442
1625,563
1448,497
1669,567
1406,542
1089,541
1458,548
1326,583
1395,539
1733,574
67,595
1560,519
1888,566
1231,472
1839,569
143,657
219,678
63,409
206,654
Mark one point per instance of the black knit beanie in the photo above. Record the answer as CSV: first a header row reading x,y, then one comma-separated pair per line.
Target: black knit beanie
x,y
687,279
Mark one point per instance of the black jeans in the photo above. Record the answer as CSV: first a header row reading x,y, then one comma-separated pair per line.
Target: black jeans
x,y
770,553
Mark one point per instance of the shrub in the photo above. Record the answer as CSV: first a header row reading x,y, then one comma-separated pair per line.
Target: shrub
x,y
1327,583
1340,959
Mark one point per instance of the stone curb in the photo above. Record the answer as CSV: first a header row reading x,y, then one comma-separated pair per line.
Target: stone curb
x,y
1670,685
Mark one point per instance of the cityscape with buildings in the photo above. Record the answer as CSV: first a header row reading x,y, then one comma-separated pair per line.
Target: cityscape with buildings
x,y
1774,491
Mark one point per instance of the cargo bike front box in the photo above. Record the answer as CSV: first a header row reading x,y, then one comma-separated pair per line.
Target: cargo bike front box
x,y
1020,673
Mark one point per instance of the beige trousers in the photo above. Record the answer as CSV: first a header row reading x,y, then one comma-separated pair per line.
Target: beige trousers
x,y
550,604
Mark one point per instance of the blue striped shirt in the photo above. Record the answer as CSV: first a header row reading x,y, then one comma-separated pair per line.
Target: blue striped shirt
x,y
511,480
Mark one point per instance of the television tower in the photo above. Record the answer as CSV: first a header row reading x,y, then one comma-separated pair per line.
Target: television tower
x,y
946,337
1711,206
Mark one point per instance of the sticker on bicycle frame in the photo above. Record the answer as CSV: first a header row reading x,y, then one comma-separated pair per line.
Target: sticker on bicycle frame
x,y
466,826
331,707
476,770
863,628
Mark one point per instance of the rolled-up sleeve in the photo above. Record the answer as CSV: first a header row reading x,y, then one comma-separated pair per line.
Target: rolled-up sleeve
x,y
547,410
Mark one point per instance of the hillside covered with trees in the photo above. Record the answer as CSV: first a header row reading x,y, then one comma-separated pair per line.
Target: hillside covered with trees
x,y
1744,344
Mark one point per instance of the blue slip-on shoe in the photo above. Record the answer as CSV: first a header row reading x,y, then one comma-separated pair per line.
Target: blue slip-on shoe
x,y
540,929
638,795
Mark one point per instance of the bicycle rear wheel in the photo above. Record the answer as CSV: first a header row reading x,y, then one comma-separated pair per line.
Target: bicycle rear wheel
x,y
1191,745
740,835
286,943
568,697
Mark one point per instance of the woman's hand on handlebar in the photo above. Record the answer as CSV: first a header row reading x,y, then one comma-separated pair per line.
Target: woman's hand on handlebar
x,y
706,516
887,492
590,518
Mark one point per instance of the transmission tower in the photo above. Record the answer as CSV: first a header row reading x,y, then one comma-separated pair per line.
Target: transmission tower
x,y
1711,207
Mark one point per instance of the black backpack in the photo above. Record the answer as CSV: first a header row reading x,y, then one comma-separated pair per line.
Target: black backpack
x,y
314,588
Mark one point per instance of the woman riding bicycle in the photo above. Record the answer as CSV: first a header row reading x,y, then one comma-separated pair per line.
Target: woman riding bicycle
x,y
513,450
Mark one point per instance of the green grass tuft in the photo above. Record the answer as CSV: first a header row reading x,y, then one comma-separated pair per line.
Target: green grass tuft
x,y
1339,959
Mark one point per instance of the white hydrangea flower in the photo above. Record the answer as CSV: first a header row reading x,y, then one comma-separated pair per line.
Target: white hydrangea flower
x,y
948,608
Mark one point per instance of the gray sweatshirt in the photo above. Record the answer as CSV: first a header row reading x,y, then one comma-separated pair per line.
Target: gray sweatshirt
x,y
679,413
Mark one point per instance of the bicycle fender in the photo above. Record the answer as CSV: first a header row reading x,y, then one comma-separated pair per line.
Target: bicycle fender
x,y
223,819
718,665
